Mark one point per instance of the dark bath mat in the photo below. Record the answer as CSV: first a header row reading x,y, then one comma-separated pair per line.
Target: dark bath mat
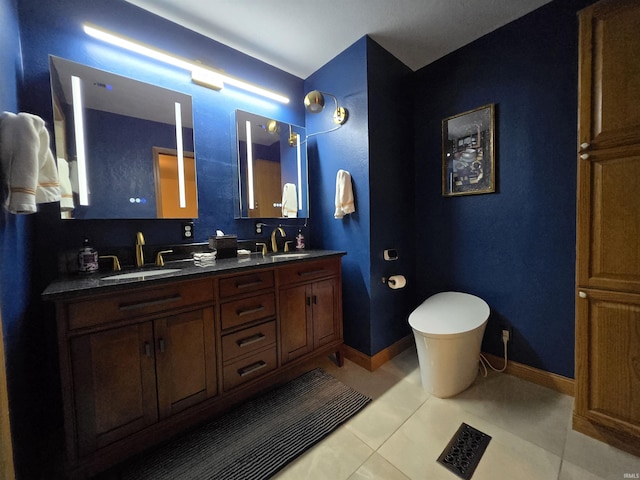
x,y
464,451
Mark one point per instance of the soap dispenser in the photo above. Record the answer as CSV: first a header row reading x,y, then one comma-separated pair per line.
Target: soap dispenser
x,y
87,258
300,240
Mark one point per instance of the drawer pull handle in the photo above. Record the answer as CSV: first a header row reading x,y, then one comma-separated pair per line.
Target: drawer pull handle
x,y
150,303
161,345
252,368
584,145
147,349
584,156
311,272
242,313
251,340
249,284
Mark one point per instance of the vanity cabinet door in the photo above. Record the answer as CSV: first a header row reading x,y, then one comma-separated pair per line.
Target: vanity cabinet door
x,y
115,384
296,327
325,314
185,360
309,318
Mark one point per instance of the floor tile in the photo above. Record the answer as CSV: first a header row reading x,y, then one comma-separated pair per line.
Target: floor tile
x,y
336,457
599,458
377,468
569,471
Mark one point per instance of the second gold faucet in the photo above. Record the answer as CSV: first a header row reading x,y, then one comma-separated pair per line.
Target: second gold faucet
x,y
139,251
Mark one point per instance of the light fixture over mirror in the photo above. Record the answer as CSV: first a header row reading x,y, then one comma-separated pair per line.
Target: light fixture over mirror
x,y
314,103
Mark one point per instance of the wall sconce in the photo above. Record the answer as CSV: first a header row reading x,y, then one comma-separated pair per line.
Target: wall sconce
x,y
314,103
200,74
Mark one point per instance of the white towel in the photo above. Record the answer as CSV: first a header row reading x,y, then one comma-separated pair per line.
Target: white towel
x,y
344,194
66,193
289,201
27,162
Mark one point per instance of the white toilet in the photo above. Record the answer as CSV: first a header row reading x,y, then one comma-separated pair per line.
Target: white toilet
x,y
448,328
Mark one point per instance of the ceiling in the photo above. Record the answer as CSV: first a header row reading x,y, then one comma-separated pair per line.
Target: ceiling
x,y
300,36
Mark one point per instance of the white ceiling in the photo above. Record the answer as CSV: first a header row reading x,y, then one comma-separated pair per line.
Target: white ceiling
x,y
300,36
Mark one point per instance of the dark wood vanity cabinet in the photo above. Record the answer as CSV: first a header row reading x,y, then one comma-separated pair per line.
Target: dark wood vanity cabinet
x,y
310,308
142,364
131,368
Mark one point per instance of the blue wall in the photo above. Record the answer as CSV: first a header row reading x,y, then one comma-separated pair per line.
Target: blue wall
x,y
346,148
516,247
374,145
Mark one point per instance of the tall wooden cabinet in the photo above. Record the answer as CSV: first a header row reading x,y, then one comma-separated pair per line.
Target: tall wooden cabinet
x,y
607,404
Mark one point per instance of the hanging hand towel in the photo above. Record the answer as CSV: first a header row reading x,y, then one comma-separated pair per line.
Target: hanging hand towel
x,y
344,194
66,193
289,201
27,162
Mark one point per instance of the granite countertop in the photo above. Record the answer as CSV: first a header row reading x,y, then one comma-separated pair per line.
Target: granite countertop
x,y
78,285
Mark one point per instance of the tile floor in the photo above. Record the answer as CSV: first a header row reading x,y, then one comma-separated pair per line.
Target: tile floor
x,y
402,432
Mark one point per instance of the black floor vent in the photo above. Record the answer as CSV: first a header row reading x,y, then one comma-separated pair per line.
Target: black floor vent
x,y
464,451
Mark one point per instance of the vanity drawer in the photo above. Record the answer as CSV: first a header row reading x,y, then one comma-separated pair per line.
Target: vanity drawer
x,y
247,283
136,302
247,310
242,371
305,271
248,340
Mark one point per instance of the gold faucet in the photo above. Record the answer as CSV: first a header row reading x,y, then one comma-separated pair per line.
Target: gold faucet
x,y
160,258
274,244
139,252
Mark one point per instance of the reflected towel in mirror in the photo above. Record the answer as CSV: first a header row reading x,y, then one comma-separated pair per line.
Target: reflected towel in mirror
x,y
289,201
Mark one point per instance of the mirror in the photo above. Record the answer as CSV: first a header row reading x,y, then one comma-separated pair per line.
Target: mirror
x,y
124,148
271,168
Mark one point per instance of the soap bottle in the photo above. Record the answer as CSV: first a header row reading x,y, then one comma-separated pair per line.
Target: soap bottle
x,y
87,258
300,240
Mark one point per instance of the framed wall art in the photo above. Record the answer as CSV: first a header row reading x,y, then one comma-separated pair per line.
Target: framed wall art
x,y
468,159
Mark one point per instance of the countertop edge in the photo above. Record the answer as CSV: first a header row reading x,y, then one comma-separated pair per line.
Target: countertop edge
x,y
71,286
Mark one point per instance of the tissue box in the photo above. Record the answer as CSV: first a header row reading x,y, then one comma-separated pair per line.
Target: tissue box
x,y
225,245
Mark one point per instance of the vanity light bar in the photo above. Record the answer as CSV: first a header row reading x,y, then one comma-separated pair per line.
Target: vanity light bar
x,y
181,189
252,201
78,121
200,74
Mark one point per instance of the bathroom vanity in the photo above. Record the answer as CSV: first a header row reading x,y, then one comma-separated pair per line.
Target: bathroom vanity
x,y
143,358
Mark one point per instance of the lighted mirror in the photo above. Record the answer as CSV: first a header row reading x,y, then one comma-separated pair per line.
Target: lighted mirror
x,y
124,148
271,168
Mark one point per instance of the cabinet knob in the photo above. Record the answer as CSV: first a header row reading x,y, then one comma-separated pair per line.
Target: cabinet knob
x,y
582,294
584,156
584,145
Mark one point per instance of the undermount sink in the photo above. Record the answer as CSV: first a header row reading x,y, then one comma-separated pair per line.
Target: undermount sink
x,y
289,255
140,275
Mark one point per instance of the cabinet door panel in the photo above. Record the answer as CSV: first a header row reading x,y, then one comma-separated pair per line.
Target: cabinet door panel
x,y
185,356
325,317
609,76
296,332
114,377
609,367
609,222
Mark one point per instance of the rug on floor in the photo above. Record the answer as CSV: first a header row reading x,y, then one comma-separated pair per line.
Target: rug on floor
x,y
259,437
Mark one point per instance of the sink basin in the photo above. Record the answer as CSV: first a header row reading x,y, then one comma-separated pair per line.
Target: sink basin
x,y
140,275
282,256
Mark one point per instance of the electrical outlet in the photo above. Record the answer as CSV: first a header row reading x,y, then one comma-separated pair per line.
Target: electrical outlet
x,y
187,230
506,335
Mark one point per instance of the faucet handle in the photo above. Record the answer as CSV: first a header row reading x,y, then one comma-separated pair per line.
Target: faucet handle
x,y
160,259
116,262
286,245
264,247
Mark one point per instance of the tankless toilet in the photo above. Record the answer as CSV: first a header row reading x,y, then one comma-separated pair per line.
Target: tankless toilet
x,y
448,329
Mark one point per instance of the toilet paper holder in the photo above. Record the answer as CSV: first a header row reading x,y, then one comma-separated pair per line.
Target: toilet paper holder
x,y
392,282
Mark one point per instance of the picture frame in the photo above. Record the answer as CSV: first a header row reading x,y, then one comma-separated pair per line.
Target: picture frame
x,y
468,153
